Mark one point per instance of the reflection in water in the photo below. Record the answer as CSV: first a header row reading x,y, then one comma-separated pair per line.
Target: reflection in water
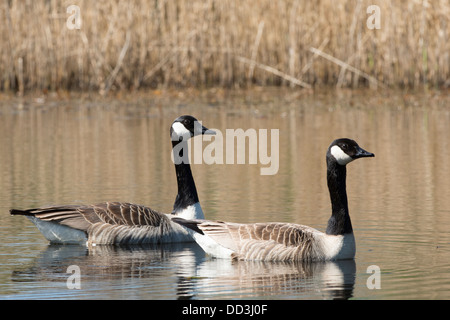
x,y
184,268
330,280
109,262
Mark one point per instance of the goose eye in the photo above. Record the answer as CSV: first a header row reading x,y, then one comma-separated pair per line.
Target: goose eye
x,y
344,146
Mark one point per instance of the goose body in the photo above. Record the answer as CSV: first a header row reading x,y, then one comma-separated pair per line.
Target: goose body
x,y
269,241
287,241
127,223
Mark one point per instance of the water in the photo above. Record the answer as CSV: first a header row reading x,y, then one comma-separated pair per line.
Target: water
x,y
86,150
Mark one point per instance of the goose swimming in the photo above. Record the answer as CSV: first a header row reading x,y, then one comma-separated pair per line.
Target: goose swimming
x,y
127,223
287,241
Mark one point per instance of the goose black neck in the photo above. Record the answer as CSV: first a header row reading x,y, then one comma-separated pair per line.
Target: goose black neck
x,y
187,193
339,223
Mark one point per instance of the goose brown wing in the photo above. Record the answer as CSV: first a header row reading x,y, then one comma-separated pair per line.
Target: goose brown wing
x,y
82,216
121,213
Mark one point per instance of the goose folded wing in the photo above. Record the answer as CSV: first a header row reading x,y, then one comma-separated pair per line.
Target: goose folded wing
x,y
82,216
122,213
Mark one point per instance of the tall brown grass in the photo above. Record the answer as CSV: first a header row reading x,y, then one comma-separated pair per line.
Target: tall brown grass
x,y
198,43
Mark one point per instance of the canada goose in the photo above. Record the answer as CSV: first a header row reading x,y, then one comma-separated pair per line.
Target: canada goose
x,y
288,241
127,223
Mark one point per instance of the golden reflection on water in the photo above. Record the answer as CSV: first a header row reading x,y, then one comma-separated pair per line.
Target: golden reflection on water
x,y
92,151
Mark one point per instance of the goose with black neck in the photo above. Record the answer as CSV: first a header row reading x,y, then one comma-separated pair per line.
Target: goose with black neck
x,y
279,241
122,222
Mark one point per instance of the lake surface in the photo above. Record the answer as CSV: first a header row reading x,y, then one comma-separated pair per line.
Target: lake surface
x,y
89,150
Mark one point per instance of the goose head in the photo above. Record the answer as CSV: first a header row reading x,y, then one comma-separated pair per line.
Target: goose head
x,y
186,127
344,151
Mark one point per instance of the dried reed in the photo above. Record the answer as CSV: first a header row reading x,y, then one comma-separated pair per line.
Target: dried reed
x,y
197,43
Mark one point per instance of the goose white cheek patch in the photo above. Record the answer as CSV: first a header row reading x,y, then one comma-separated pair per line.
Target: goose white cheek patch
x,y
341,157
179,131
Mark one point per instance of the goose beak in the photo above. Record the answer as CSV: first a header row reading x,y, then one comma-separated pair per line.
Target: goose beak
x,y
361,153
207,131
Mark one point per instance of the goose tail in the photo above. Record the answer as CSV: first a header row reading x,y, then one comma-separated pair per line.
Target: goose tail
x,y
17,212
56,223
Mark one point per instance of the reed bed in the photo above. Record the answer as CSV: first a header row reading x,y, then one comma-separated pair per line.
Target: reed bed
x,y
130,45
